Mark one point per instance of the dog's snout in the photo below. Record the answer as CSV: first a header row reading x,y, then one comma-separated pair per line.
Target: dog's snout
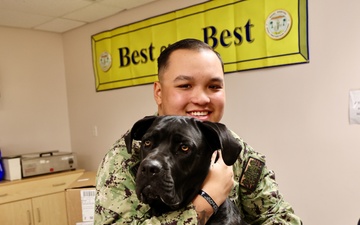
x,y
150,167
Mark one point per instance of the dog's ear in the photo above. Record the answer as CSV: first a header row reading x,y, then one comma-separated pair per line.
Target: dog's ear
x,y
219,137
138,131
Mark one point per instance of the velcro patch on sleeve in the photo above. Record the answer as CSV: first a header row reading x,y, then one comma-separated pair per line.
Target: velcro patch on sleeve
x,y
251,175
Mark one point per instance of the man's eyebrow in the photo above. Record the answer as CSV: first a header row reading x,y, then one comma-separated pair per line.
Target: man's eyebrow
x,y
217,79
188,78
183,78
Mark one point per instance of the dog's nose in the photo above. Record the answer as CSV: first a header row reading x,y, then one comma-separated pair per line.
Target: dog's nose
x,y
150,167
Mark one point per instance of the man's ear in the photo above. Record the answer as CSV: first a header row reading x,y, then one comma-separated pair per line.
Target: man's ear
x,y
157,93
138,131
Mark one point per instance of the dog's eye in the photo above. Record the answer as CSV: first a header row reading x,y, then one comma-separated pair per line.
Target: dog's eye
x,y
184,148
147,143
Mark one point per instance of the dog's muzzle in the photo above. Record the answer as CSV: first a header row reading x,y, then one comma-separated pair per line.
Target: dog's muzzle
x,y
155,183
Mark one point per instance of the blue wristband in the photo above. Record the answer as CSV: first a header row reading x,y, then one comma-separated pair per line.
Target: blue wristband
x,y
209,200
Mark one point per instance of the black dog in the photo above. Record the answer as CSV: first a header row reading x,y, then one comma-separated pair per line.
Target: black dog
x,y
175,157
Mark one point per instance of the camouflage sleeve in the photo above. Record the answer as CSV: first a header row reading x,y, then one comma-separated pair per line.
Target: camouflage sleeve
x,y
116,201
259,198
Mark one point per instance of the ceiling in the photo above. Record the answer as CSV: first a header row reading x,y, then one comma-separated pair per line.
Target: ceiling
x,y
60,15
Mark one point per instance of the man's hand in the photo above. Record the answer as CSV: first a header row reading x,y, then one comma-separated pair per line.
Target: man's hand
x,y
218,184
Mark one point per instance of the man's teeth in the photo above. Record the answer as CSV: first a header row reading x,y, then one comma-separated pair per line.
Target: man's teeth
x,y
199,113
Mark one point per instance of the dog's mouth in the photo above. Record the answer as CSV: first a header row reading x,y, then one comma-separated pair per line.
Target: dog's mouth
x,y
154,196
148,196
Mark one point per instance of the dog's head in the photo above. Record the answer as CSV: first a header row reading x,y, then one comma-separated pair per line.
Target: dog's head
x,y
175,157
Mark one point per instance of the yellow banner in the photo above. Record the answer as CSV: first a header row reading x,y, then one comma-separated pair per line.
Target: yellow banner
x,y
248,34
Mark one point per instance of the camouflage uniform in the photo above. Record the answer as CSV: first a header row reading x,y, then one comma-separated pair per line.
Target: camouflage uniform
x,y
255,192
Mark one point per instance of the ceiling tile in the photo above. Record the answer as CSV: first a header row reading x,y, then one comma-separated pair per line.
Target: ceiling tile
x,y
44,7
60,15
126,4
19,19
93,12
60,25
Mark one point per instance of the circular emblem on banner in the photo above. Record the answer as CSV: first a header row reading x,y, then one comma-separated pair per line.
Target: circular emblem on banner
x,y
105,61
278,24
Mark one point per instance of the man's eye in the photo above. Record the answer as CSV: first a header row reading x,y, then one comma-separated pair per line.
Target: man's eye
x,y
147,143
185,86
215,87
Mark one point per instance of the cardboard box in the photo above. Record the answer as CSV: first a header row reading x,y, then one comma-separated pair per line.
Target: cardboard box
x,y
80,199
12,168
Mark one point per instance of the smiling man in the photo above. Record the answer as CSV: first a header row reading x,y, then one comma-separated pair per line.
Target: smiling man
x,y
191,83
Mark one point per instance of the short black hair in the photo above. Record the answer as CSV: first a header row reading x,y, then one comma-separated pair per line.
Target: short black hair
x,y
190,44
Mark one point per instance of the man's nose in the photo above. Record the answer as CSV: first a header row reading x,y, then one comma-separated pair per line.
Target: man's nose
x,y
200,97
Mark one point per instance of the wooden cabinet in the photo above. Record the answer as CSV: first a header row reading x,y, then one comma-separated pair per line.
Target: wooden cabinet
x,y
36,201
19,212
50,209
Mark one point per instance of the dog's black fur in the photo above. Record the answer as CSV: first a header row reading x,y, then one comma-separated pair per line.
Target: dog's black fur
x,y
175,157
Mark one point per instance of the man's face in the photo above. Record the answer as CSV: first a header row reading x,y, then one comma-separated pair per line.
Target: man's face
x,y
192,85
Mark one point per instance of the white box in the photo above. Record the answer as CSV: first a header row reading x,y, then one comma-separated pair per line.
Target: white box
x,y
12,168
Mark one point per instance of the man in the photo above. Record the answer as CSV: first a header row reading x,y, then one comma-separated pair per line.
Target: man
x,y
191,83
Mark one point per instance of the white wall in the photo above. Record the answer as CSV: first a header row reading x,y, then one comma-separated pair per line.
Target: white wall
x,y
296,115
33,101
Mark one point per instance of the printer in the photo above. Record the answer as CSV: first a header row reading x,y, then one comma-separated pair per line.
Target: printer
x,y
34,164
